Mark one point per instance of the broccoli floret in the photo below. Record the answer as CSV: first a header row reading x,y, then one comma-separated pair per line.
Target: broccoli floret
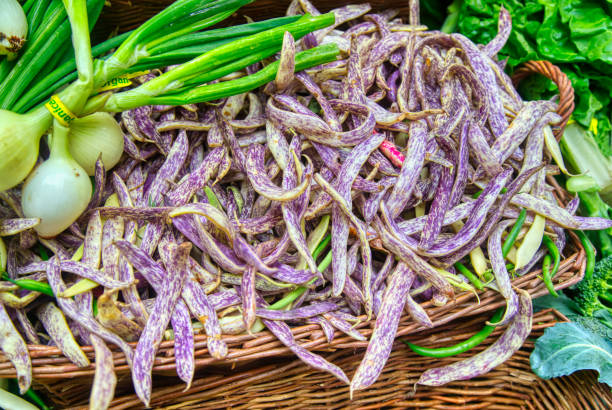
x,y
595,293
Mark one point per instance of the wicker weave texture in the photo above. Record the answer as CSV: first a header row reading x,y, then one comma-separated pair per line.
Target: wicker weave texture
x,y
291,384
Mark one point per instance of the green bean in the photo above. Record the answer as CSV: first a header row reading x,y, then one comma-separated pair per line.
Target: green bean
x,y
29,284
297,292
212,198
511,238
589,250
237,197
321,246
33,397
477,194
459,347
469,275
554,253
546,276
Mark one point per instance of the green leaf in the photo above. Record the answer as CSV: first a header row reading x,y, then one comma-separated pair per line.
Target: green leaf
x,y
568,347
563,304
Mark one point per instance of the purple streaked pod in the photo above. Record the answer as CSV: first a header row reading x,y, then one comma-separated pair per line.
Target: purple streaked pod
x,y
16,225
313,88
255,171
494,217
342,325
248,293
411,170
169,170
504,28
309,311
480,65
385,328
417,312
481,363
416,263
71,309
15,349
328,329
340,227
476,219
283,332
514,135
559,215
286,68
502,278
151,337
197,179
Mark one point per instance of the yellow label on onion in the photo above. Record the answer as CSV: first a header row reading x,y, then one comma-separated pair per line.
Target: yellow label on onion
x,y
121,81
59,111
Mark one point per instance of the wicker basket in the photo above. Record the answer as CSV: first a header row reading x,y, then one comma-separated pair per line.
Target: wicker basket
x,y
51,368
291,384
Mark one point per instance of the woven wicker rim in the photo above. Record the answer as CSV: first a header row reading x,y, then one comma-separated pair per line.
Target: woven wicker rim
x,y
291,384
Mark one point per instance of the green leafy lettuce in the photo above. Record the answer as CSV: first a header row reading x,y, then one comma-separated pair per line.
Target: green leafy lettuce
x,y
574,34
568,347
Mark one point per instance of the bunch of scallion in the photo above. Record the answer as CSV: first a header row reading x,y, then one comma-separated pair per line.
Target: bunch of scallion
x,y
50,74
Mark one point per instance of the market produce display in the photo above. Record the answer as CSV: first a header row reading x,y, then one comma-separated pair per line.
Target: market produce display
x,y
315,168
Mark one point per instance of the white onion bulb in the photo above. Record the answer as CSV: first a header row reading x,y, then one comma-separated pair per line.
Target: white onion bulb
x,y
58,190
13,27
93,135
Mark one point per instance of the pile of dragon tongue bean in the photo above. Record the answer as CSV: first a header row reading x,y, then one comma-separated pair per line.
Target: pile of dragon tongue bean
x,y
343,192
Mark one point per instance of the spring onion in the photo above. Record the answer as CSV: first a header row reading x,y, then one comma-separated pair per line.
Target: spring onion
x,y
94,135
13,27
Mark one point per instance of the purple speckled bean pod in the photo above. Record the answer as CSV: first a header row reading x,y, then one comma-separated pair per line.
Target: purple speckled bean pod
x,y
328,329
416,263
71,309
438,207
559,215
152,334
57,328
504,28
311,310
410,172
514,135
183,343
261,182
340,228
385,328
498,264
286,68
476,219
15,349
283,332
461,172
247,288
485,230
501,350
197,179
313,88
16,225
417,312
169,170
480,64
342,325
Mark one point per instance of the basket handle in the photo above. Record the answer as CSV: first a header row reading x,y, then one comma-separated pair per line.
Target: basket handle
x,y
566,91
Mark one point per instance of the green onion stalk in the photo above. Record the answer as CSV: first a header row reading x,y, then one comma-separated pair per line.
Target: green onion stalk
x,y
20,133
